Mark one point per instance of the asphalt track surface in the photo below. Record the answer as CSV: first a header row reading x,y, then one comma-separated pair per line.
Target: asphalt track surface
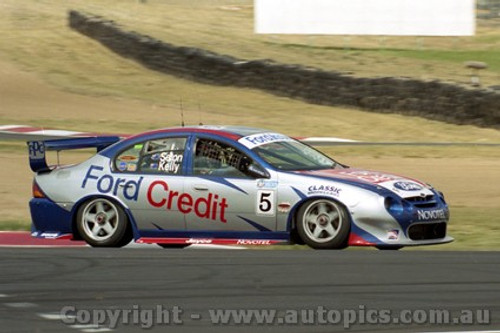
x,y
37,283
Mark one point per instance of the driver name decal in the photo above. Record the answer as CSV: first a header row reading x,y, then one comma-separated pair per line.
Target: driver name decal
x,y
170,162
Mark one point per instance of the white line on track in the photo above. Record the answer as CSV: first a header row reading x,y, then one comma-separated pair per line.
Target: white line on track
x,y
215,246
87,328
22,305
463,332
54,316
43,246
191,247
91,328
25,244
133,246
84,328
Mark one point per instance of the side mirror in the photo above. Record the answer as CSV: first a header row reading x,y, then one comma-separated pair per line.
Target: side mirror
x,y
256,171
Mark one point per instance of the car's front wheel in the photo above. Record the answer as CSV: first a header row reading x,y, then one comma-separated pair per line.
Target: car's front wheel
x,y
103,223
323,224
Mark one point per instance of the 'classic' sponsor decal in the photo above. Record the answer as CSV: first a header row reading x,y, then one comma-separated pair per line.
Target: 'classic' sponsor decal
x,y
324,189
210,207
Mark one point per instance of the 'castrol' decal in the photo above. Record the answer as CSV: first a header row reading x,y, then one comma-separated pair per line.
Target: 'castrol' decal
x,y
368,176
211,207
407,186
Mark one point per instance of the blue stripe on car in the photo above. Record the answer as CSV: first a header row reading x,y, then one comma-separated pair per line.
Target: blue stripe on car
x,y
254,224
225,182
299,193
369,187
281,235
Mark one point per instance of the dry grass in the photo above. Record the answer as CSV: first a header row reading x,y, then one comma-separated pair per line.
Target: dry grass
x,y
54,77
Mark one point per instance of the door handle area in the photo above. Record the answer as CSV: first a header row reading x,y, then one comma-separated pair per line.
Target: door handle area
x,y
199,187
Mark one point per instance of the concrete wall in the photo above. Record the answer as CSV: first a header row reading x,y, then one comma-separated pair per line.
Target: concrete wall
x,y
434,100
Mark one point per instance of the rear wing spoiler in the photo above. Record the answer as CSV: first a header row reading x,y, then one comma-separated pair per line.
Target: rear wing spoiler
x,y
37,149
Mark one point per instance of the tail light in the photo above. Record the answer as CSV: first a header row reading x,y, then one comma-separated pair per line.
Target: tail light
x,y
37,192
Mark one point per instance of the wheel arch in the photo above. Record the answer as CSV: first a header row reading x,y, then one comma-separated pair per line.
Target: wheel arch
x,y
292,218
81,201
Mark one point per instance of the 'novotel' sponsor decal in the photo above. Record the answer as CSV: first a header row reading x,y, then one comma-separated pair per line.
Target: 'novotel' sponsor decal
x,y
437,214
253,242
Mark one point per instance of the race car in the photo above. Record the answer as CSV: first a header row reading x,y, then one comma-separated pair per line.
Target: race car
x,y
226,185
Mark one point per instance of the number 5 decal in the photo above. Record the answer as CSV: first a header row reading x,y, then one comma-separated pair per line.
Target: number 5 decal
x,y
265,203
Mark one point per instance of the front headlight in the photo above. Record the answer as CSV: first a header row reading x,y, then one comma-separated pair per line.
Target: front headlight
x,y
441,195
394,206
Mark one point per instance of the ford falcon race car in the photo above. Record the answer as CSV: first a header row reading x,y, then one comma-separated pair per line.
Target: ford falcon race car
x,y
226,185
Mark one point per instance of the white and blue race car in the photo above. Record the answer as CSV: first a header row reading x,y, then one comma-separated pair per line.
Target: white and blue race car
x,y
226,185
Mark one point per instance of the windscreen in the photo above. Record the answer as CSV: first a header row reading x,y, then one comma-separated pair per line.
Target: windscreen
x,y
294,155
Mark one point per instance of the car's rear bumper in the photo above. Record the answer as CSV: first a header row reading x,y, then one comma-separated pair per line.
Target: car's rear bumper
x,y
49,220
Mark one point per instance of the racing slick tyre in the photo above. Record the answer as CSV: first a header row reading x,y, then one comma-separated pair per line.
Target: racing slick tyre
x,y
323,224
103,223
295,237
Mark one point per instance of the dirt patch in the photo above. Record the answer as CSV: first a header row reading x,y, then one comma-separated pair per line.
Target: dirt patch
x,y
32,101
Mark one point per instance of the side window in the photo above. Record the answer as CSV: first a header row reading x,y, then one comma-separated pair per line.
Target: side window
x,y
129,159
162,156
218,159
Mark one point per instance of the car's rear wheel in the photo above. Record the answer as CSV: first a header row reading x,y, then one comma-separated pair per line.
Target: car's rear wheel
x,y
323,224
103,223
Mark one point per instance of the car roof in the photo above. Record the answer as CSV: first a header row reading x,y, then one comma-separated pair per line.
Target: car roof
x,y
231,132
